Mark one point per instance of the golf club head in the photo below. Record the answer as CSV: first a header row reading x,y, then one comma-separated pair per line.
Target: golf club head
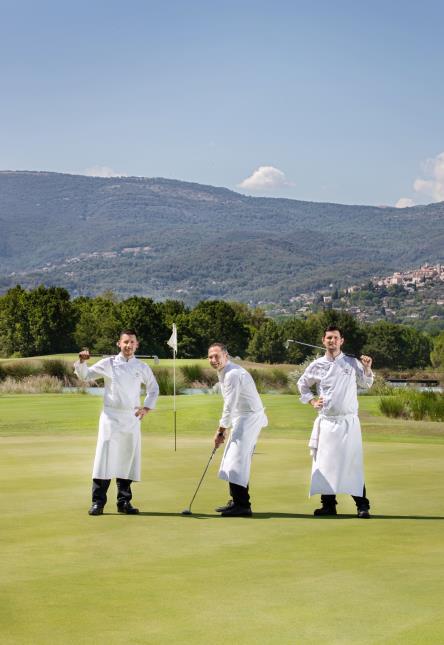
x,y
186,512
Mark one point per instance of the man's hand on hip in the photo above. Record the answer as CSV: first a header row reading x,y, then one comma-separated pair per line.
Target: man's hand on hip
x,y
141,412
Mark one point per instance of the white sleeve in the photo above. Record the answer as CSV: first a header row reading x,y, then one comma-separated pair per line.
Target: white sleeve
x,y
363,381
151,386
231,388
306,381
101,369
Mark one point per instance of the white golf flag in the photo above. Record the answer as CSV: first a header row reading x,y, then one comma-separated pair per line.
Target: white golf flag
x,y
172,342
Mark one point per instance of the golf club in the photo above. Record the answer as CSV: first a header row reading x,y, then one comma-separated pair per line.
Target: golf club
x,y
187,511
290,340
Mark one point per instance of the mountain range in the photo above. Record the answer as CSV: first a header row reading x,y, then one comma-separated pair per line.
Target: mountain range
x,y
166,238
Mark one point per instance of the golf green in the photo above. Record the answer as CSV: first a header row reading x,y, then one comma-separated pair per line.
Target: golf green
x,y
280,577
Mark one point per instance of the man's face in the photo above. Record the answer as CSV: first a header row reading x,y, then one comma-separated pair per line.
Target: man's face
x,y
128,344
332,341
217,357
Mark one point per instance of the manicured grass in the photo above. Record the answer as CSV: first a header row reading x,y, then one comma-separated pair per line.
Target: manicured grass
x,y
282,577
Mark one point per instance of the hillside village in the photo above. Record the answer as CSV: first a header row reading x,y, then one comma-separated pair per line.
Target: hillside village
x,y
414,296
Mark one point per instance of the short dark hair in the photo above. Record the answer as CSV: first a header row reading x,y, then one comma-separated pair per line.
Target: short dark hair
x,y
128,332
333,328
221,345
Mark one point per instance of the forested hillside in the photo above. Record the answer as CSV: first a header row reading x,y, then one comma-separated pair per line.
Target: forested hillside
x,y
170,239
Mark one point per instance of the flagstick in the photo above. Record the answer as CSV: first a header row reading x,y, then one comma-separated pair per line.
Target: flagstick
x,y
174,398
172,342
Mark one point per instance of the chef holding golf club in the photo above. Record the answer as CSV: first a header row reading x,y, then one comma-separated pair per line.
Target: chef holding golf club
x,y
244,413
336,442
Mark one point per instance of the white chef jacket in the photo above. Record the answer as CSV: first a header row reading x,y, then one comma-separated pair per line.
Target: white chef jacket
x,y
118,452
336,442
244,413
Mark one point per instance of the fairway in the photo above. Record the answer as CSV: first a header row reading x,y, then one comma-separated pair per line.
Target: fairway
x,y
281,577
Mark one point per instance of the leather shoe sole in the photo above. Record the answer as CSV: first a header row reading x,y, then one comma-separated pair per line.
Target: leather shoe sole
x,y
236,511
363,514
128,510
319,512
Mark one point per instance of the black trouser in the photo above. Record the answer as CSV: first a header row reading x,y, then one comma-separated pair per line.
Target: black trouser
x,y
240,495
100,488
362,503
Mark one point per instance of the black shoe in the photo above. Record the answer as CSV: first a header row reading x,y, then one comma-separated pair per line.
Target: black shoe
x,y
325,510
237,511
96,509
228,505
363,513
127,508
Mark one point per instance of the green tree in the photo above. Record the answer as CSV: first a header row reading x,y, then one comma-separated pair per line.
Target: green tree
x,y
252,317
146,318
170,310
15,338
98,324
397,346
268,344
51,320
40,321
217,320
306,331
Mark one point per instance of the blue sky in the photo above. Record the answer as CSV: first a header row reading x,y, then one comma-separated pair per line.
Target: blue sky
x,y
334,101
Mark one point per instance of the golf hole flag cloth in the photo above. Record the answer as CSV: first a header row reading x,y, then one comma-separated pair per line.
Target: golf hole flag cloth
x,y
172,342
118,443
244,413
336,441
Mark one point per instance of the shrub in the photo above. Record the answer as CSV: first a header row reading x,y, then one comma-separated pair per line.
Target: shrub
x,y
19,370
278,378
265,379
61,369
165,380
197,374
192,373
413,404
258,378
436,409
392,406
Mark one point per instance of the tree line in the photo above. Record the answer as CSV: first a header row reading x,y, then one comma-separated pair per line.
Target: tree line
x,y
45,320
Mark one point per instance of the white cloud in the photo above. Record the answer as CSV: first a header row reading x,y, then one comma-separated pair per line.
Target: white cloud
x,y
265,178
434,185
102,171
404,202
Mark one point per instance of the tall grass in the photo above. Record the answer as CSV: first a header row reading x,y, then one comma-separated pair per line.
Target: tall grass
x,y
164,378
413,404
392,406
42,384
266,380
61,369
198,376
19,370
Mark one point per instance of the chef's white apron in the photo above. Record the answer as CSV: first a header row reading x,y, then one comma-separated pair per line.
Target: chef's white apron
x,y
336,444
236,461
118,449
